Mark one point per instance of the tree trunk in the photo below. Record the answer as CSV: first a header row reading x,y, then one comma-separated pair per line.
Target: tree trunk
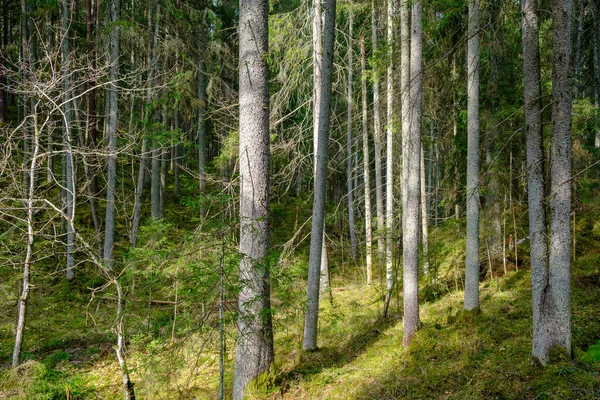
x,y
411,170
596,55
471,300
137,205
112,134
390,278
26,287
254,354
377,148
424,212
366,161
321,150
350,181
559,288
202,107
69,180
155,180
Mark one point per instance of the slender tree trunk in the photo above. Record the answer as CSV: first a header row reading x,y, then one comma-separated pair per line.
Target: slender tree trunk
x,y
321,150
155,194
109,232
26,286
390,278
350,180
579,18
155,180
377,147
471,300
254,354
163,182
120,348
202,106
559,288
69,180
366,162
596,55
137,205
92,122
424,213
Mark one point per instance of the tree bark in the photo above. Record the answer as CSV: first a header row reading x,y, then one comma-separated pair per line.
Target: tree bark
x,y
350,181
139,189
377,148
559,289
67,119
366,162
321,150
109,232
26,286
424,213
390,278
596,55
471,300
202,106
254,353
412,186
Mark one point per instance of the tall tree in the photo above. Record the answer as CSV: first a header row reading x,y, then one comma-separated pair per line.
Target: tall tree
x,y
366,162
411,170
321,150
377,144
471,301
596,62
559,284
390,279
67,120
349,169
113,106
254,352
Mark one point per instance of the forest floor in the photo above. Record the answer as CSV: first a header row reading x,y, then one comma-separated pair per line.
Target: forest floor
x,y
454,355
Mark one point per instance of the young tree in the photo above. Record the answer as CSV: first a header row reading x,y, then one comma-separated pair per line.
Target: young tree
x,y
254,352
321,150
471,301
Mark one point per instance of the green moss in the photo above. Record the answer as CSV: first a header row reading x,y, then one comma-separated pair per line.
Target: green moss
x,y
263,383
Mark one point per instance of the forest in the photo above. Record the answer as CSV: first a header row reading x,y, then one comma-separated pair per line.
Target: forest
x,y
286,199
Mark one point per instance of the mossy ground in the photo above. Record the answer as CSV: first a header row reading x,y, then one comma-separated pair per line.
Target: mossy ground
x,y
486,355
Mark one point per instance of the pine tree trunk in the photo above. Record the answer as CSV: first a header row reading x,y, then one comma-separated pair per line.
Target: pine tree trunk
x,y
202,107
112,135
254,354
596,55
321,150
471,300
349,175
366,162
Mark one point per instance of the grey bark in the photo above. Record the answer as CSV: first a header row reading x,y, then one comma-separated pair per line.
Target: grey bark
x,y
112,134
349,175
559,288
377,148
366,163
26,286
318,217
535,177
412,185
163,182
254,352
471,300
390,278
128,390
155,180
68,179
155,195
